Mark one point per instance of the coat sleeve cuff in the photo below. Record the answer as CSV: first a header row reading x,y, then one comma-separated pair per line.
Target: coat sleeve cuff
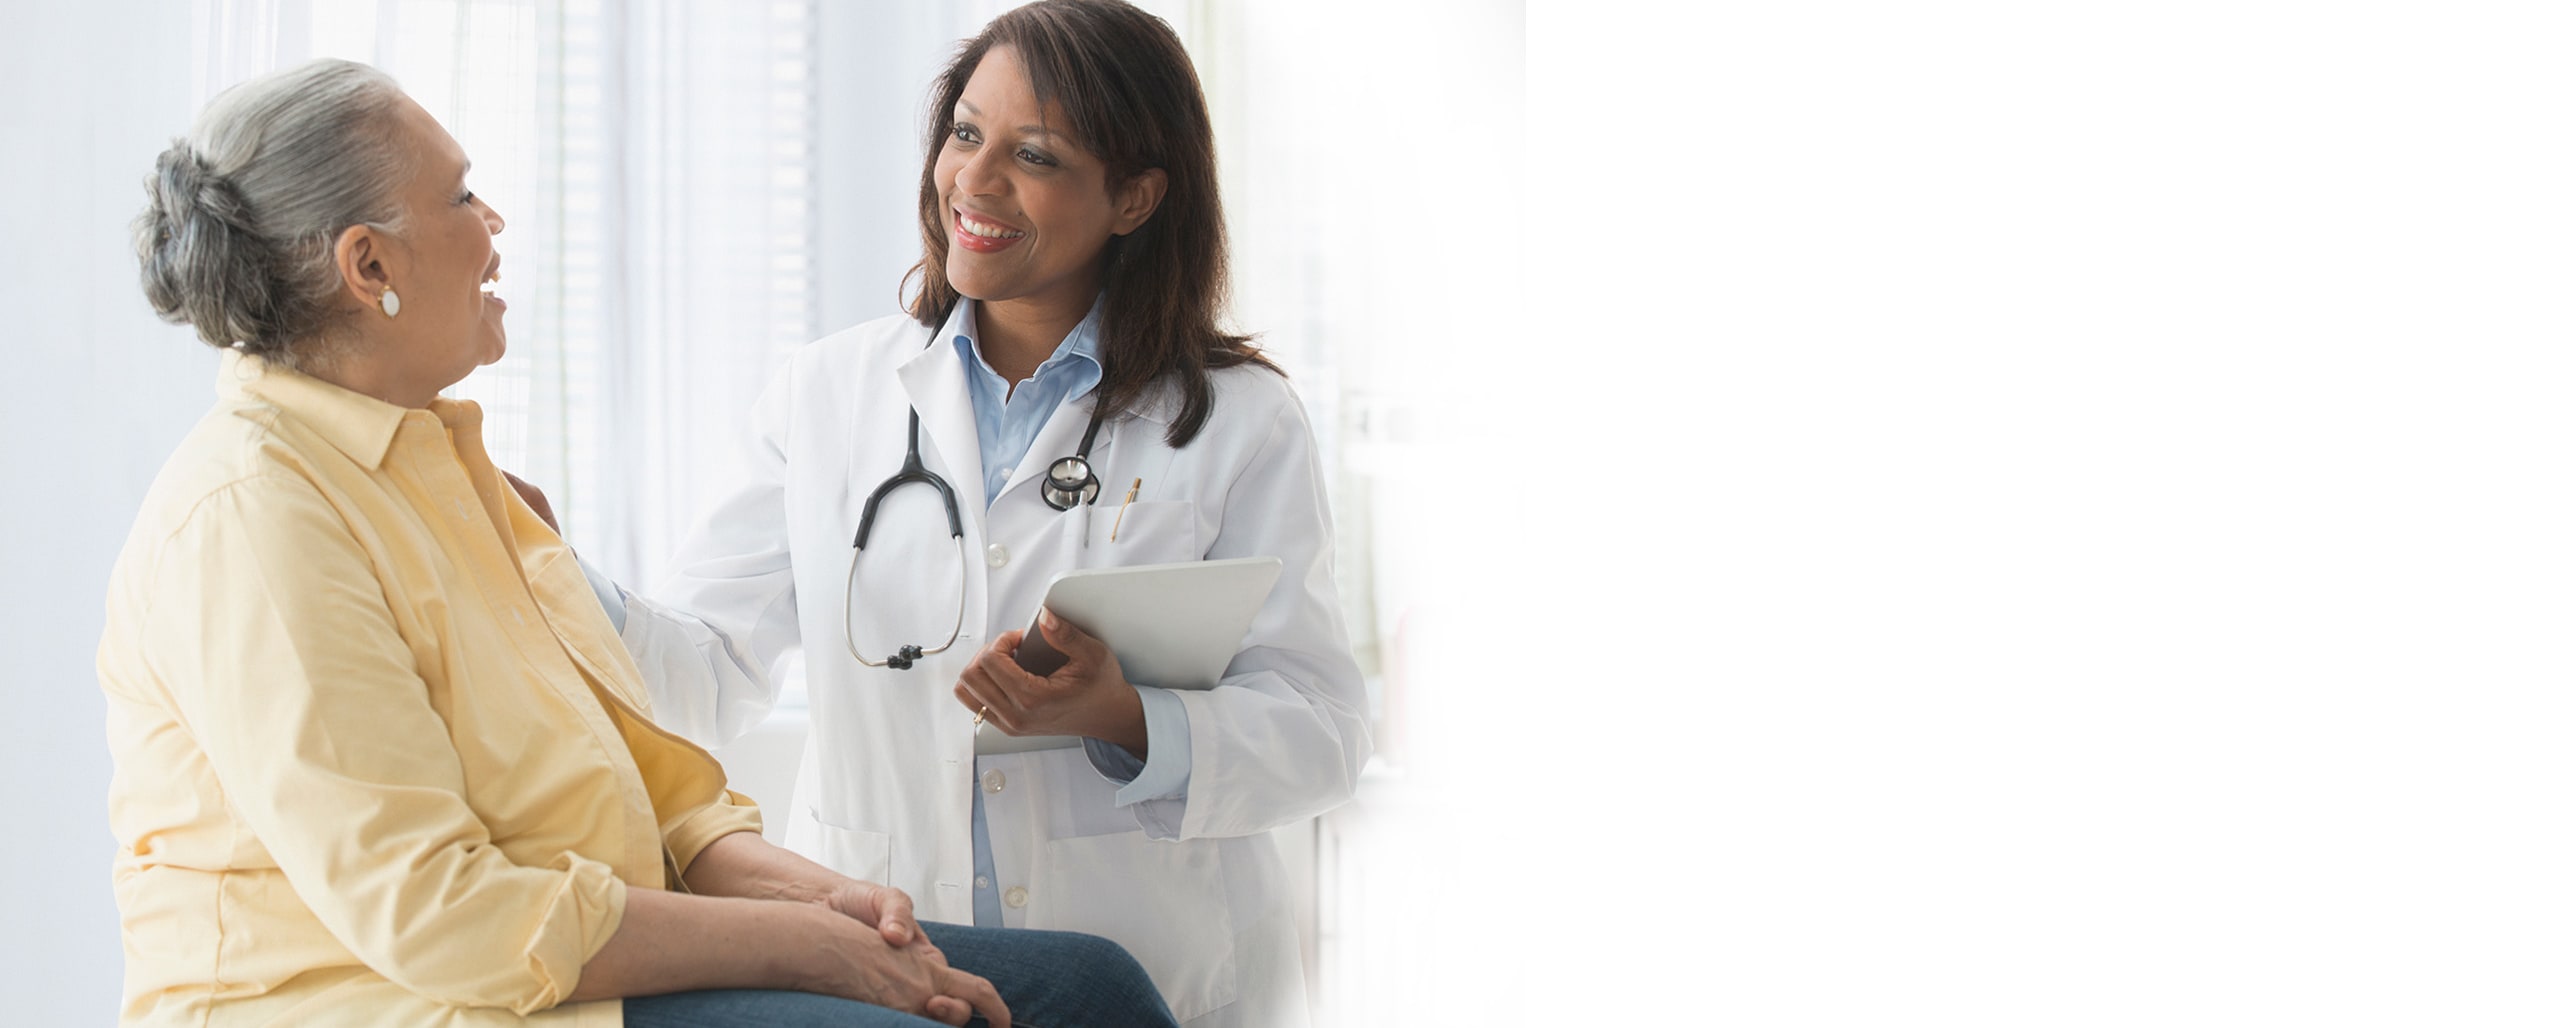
x,y
1165,775
583,913
610,595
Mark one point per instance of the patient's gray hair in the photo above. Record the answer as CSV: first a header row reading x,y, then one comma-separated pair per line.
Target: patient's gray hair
x,y
245,212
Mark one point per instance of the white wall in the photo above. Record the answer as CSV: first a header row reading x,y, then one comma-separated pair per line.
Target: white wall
x,y
89,94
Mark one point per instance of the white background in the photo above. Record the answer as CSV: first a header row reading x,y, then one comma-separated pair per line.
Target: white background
x,y
2025,514
1980,513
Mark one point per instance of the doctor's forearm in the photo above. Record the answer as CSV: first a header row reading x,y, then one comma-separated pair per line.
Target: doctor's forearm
x,y
1129,727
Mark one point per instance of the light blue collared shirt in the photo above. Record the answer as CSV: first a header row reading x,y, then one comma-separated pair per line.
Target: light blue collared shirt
x,y
1007,422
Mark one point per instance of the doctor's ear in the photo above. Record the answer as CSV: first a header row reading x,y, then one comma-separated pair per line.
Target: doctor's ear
x,y
1138,197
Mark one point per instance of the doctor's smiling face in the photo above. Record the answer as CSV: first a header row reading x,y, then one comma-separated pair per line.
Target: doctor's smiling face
x,y
1028,210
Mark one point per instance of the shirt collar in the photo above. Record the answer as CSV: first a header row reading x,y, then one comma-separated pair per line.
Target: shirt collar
x,y
963,327
358,425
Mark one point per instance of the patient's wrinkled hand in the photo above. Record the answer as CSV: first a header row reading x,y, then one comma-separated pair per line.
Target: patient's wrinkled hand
x,y
961,993
914,979
881,907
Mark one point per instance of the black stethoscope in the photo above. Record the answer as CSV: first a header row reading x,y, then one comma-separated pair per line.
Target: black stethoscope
x,y
1068,483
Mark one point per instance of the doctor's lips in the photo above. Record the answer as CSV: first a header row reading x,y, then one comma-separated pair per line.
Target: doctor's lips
x,y
491,281
982,235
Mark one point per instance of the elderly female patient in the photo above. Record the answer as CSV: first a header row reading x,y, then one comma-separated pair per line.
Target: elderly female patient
x,y
380,758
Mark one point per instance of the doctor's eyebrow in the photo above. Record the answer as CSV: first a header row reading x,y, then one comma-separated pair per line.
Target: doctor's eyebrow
x,y
1024,130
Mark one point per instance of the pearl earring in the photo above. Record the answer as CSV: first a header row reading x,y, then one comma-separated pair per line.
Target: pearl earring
x,y
392,302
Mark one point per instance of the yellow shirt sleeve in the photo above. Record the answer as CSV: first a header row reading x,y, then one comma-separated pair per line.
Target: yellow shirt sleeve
x,y
689,834
272,634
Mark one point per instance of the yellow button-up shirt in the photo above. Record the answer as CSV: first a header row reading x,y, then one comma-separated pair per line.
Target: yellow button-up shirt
x,y
380,757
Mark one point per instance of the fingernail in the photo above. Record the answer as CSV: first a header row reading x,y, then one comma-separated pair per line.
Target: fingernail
x,y
1049,620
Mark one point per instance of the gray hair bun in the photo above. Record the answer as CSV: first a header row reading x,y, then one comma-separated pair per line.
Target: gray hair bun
x,y
240,235
203,261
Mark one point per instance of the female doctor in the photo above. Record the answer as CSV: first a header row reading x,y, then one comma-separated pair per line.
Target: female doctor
x,y
1067,307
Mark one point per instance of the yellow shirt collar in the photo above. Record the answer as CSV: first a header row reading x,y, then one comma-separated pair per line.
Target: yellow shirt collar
x,y
358,425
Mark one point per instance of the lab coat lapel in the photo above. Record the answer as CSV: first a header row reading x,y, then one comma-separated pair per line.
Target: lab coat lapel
x,y
1059,438
949,445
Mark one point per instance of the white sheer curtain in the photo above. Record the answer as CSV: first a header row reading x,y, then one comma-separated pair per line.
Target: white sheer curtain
x,y
655,161
681,176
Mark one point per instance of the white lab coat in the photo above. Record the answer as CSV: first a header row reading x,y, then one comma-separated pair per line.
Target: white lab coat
x,y
1190,884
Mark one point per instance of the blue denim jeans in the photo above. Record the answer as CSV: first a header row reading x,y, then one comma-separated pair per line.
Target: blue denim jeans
x,y
1048,980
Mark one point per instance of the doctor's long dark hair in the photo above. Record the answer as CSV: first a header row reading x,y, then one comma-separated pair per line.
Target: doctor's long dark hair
x,y
1132,98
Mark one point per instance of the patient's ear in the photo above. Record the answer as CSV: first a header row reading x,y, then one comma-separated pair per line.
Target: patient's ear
x,y
365,257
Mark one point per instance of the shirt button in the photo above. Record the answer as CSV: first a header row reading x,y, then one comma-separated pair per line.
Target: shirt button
x,y
993,781
997,555
1015,897
981,881
1005,472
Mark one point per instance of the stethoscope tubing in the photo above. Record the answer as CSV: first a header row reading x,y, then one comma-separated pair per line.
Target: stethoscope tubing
x,y
1068,482
901,659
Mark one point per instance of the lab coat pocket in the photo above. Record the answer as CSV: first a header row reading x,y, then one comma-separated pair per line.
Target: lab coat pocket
x,y
1151,532
859,854
1164,902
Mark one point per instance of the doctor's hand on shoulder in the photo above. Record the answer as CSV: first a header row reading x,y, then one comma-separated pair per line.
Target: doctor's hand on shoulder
x,y
534,498
1087,696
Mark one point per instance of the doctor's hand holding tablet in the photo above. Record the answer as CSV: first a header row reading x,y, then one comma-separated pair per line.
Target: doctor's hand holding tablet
x,y
1056,681
1083,695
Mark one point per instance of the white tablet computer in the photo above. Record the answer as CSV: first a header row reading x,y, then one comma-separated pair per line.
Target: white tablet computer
x,y
1175,626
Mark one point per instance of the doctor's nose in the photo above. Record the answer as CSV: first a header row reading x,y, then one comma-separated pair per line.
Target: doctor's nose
x,y
977,178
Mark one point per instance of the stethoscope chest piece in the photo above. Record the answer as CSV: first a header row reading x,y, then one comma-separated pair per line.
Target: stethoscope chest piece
x,y
1070,482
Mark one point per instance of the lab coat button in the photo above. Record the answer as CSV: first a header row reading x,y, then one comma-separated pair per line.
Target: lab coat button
x,y
998,555
1015,897
993,781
